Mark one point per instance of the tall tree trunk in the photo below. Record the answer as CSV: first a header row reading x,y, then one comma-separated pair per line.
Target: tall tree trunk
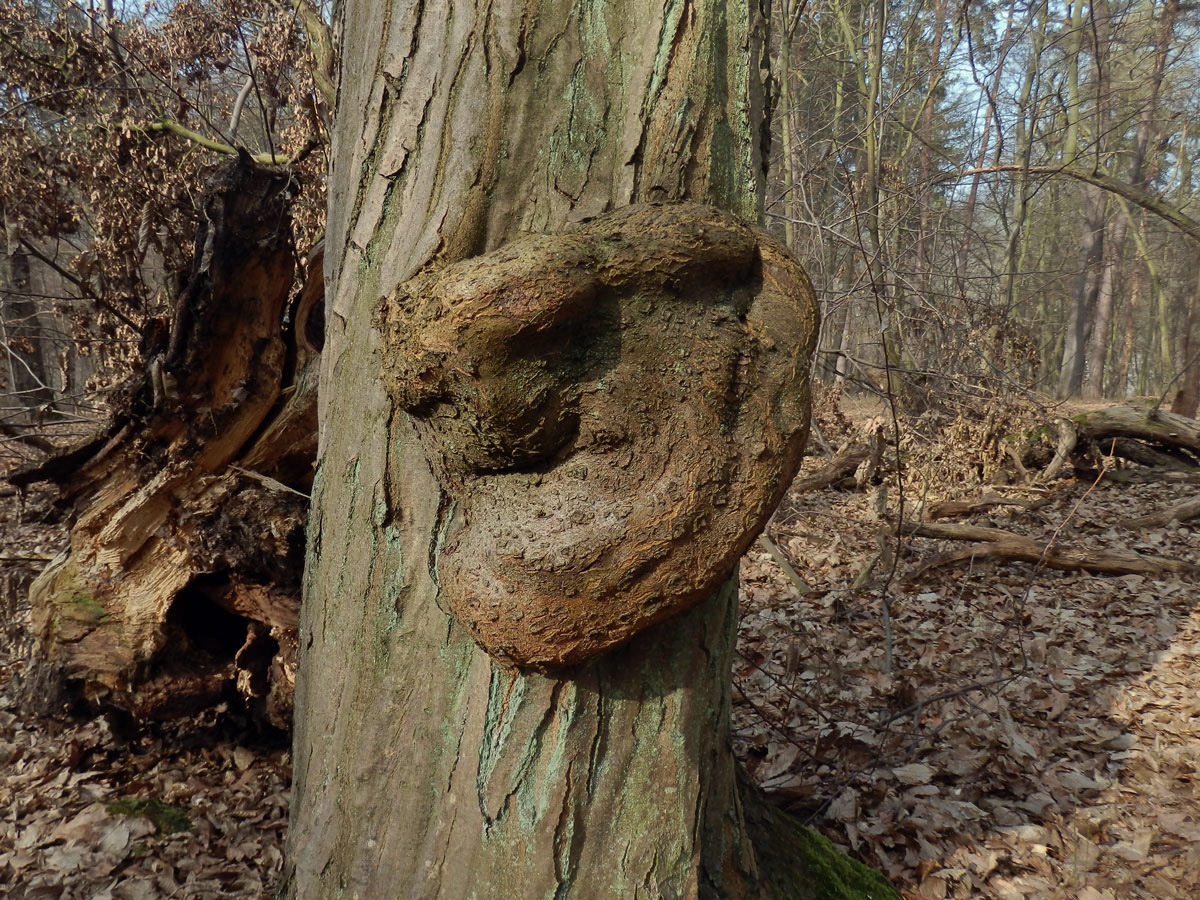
x,y
1129,332
875,248
1079,317
20,331
1098,344
1186,401
1092,387
789,18
1026,126
925,155
992,91
1092,243
423,768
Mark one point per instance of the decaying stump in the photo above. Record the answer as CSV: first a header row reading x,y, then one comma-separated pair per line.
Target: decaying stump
x,y
613,412
180,586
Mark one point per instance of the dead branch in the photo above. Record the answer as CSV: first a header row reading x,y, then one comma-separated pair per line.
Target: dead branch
x,y
1180,512
838,469
764,541
1001,544
1163,429
1148,201
1143,454
952,508
868,471
1067,438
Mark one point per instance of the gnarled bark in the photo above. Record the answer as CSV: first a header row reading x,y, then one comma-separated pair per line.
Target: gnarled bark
x,y
614,411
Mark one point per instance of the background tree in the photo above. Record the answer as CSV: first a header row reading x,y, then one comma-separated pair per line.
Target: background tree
x,y
925,184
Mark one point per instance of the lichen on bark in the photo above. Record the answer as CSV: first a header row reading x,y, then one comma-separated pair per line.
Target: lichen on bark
x,y
615,411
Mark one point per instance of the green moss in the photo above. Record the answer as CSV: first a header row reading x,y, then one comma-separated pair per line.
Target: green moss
x,y
167,819
1040,433
87,607
800,864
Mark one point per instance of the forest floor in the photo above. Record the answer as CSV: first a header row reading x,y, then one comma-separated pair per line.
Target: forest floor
x,y
1036,734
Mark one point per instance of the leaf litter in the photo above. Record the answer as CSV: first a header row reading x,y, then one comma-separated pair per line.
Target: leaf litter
x,y
93,810
1037,736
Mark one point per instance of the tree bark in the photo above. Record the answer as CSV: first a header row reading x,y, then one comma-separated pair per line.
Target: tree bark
x,y
1079,319
1098,345
423,768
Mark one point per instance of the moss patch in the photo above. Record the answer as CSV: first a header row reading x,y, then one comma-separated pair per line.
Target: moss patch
x,y
167,819
87,607
797,863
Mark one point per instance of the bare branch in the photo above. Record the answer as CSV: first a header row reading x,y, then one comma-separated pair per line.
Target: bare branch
x,y
1135,195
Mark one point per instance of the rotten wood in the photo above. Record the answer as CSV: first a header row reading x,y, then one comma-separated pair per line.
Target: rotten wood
x,y
1110,429
867,472
837,472
1067,438
1153,439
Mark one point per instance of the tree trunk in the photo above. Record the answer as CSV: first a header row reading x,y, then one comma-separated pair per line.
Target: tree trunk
x,y
1129,323
788,19
422,767
1092,387
1186,401
20,333
1070,378
1098,345
1079,317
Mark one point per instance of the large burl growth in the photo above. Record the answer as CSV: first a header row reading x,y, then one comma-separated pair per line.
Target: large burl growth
x,y
612,412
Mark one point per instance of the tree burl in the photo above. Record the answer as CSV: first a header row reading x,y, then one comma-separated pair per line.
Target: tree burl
x,y
612,412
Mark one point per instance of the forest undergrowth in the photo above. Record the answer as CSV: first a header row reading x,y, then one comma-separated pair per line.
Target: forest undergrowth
x,y
975,727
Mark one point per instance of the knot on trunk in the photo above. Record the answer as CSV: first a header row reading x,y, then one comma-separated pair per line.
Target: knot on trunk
x,y
614,413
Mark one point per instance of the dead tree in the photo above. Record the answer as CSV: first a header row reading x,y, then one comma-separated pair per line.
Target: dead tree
x,y
180,585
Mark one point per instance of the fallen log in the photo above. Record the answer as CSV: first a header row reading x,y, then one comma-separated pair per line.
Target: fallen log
x,y
1156,427
996,543
1153,439
1180,512
1151,476
181,584
1145,455
838,470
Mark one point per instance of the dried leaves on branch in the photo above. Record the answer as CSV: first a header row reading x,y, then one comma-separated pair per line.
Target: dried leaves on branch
x,y
109,125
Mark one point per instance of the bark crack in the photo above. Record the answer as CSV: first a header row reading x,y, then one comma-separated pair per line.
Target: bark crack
x,y
564,864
